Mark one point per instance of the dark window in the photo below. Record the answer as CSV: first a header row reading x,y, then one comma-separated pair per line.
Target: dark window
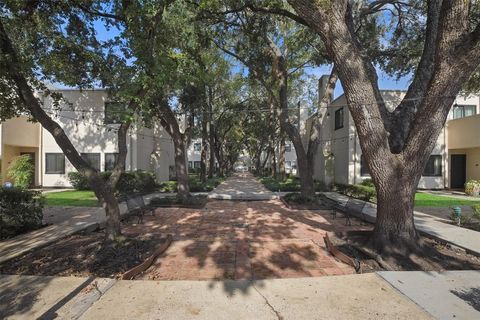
x,y
433,167
114,112
288,147
460,111
54,163
197,146
339,119
93,160
363,166
110,161
196,164
190,164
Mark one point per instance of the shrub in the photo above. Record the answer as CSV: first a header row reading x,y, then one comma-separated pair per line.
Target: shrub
x,y
368,183
168,186
135,181
21,170
358,191
78,181
295,197
287,185
129,182
20,211
472,188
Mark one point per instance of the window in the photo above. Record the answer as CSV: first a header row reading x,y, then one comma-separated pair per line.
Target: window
x,y
294,164
433,167
288,147
339,119
288,164
93,160
54,163
363,166
110,161
113,112
460,111
190,164
197,146
196,164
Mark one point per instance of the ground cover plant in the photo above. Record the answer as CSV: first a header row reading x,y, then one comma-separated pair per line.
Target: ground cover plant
x,y
196,185
72,198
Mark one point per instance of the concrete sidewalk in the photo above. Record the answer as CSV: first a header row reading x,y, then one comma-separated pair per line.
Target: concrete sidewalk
x,y
433,226
365,296
242,186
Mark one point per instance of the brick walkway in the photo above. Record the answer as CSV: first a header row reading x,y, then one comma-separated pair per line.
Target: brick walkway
x,y
243,240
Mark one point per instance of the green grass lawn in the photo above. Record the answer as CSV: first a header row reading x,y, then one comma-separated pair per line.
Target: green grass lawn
x,y
72,198
430,200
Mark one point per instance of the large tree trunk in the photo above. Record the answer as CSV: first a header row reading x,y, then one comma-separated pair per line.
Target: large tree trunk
x,y
183,188
305,172
394,227
211,136
281,156
203,154
170,124
110,204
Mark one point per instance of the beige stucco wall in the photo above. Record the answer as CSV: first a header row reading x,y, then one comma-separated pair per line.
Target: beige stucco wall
x,y
20,132
464,133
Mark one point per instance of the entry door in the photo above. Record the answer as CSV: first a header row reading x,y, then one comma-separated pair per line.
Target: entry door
x,y
458,171
32,157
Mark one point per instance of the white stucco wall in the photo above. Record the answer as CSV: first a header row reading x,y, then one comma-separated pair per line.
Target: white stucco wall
x,y
83,124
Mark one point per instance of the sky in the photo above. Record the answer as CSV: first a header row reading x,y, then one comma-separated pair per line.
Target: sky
x,y
385,82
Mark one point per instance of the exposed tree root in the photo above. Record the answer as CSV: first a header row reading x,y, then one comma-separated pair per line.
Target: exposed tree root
x,y
130,274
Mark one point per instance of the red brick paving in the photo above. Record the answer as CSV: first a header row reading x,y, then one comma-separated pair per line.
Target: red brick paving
x,y
243,240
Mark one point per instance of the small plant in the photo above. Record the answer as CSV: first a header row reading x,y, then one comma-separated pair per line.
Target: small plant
x,y
358,191
476,211
21,170
472,188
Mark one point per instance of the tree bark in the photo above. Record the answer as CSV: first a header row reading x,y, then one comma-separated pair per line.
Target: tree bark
x,y
203,154
183,188
211,137
281,156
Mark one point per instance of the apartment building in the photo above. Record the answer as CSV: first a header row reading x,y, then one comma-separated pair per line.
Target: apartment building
x,y
454,160
90,120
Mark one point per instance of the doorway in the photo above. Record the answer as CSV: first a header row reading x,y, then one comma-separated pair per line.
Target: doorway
x,y
458,171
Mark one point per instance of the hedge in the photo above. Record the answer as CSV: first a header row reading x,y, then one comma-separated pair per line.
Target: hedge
x,y
358,191
129,182
20,211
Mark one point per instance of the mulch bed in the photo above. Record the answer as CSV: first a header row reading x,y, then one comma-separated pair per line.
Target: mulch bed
x,y
435,256
196,202
84,255
304,206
